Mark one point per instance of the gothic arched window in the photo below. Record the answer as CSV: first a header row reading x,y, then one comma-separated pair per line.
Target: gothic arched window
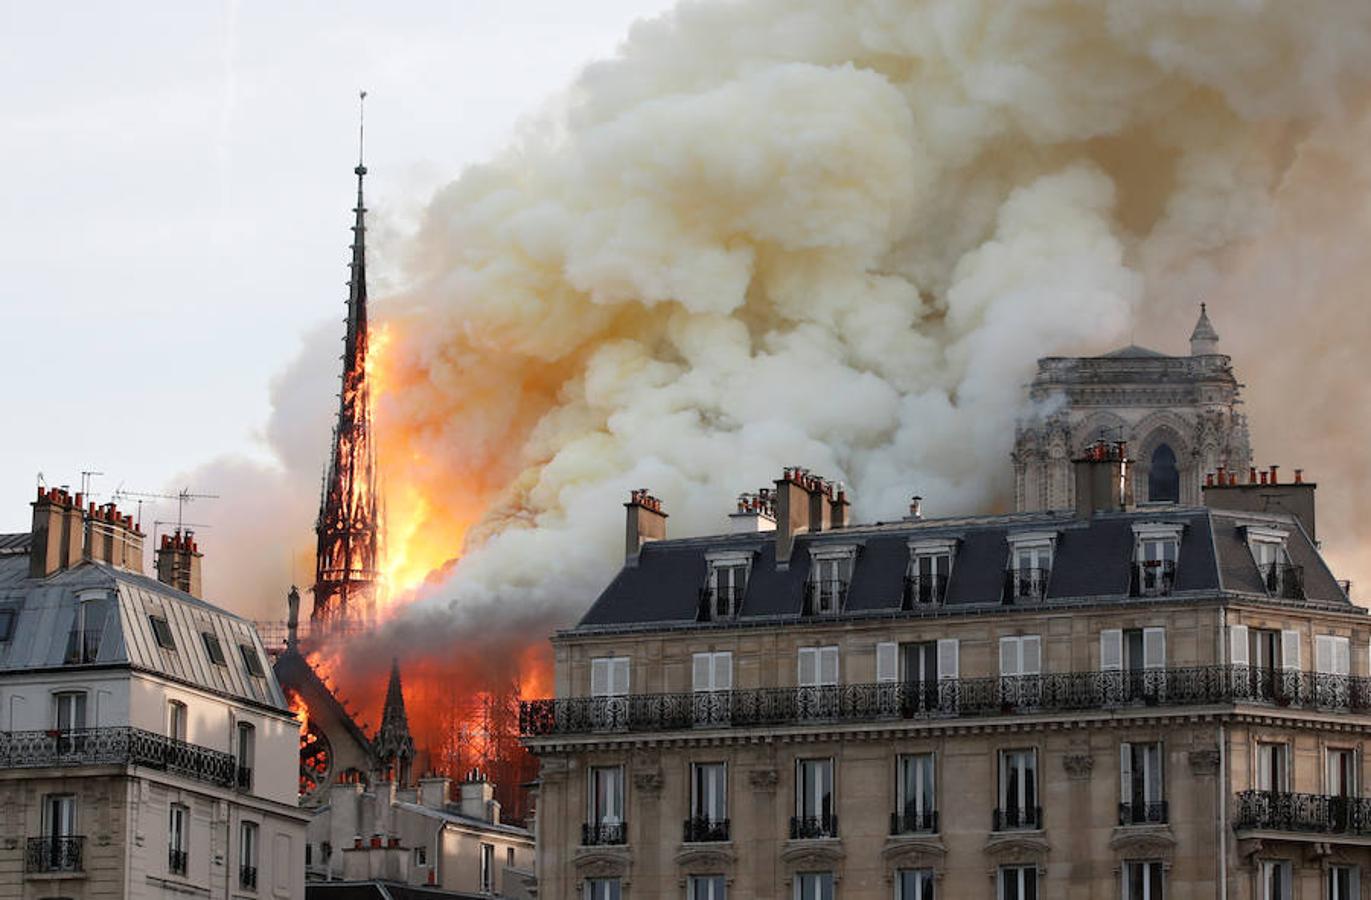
x,y
1164,479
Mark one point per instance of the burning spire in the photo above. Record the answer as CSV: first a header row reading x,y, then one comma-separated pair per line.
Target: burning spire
x,y
347,559
394,746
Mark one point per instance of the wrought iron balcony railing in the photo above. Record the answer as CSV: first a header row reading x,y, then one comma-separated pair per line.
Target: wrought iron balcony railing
x,y
247,877
1025,585
914,822
699,829
1313,813
813,827
824,598
923,590
1013,818
948,698
1150,813
1283,580
54,854
177,861
116,746
595,834
1153,578
719,603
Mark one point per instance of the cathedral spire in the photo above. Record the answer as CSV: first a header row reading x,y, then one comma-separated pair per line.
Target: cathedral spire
x,y
1204,340
394,746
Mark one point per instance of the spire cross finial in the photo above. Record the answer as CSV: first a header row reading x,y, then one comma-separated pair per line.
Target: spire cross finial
x,y
361,130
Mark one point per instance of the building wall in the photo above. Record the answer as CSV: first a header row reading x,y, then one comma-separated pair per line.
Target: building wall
x,y
461,864
26,700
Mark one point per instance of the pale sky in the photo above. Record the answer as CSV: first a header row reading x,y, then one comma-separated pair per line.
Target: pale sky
x,y
175,186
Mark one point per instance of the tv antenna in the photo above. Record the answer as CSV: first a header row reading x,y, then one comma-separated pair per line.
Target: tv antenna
x,y
182,497
86,477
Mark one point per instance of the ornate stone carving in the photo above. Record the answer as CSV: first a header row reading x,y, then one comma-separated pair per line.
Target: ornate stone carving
x,y
1078,765
823,853
913,852
763,779
1204,762
552,769
701,858
1018,848
649,782
1143,841
601,862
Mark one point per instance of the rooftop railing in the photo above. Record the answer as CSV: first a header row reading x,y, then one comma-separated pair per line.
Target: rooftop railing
x,y
116,746
1285,581
1153,578
1025,586
949,698
925,589
54,853
824,598
1313,813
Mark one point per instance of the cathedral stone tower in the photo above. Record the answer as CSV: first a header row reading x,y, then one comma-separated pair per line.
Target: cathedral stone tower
x,y
1178,414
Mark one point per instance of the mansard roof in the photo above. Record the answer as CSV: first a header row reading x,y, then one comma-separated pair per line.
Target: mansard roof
x,y
47,607
1092,564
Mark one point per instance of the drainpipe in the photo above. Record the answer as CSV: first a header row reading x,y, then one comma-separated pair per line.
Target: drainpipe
x,y
1223,773
437,855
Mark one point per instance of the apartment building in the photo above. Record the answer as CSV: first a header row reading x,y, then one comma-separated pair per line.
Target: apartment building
x,y
145,748
1110,701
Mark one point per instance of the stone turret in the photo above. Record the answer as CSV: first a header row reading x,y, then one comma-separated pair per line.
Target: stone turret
x,y
1204,340
393,746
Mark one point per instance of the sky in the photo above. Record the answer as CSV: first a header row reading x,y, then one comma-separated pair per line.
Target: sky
x,y
177,185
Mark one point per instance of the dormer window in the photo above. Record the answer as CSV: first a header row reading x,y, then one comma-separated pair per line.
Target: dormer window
x,y
1030,566
1268,546
930,565
725,586
830,572
1156,548
83,641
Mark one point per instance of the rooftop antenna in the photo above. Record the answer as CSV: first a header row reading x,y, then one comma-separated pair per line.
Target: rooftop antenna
x,y
42,482
86,476
182,497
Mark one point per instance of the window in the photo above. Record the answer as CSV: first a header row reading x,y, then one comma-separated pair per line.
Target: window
x,y
708,802
1020,664
213,649
1018,791
919,666
509,857
1142,880
1155,550
487,868
712,672
603,889
1342,772
606,806
7,617
829,574
83,642
161,632
1332,663
609,676
247,855
1018,883
1273,767
916,809
1343,883
814,886
725,587
420,857
61,847
1139,653
1279,577
1163,479
176,720
247,753
930,566
251,661
706,887
1030,566
1276,880
1141,792
818,666
177,841
914,884
814,800
69,711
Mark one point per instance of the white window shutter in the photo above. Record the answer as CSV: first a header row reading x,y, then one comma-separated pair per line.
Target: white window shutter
x,y
828,665
887,661
1323,654
599,677
618,680
1154,648
1032,663
723,671
1111,650
809,666
1125,772
1009,656
947,658
1237,642
1342,656
1290,649
702,672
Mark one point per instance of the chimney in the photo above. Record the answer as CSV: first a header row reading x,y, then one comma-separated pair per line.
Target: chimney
x,y
478,797
1104,481
113,539
57,536
646,522
756,512
1267,494
433,791
839,508
178,563
820,495
792,513
916,508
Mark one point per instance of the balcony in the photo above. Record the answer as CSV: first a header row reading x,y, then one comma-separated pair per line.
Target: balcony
x,y
1025,586
177,861
808,828
719,603
115,746
1013,818
1283,580
1309,813
1153,578
911,822
1153,813
604,833
923,590
963,698
247,877
701,829
824,598
244,779
53,855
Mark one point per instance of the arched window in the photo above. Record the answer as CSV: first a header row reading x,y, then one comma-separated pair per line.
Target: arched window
x,y
1164,479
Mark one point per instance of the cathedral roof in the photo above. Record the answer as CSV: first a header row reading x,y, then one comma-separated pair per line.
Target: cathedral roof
x,y
1133,351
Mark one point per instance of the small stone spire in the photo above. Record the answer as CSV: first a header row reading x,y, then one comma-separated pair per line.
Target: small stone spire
x,y
1204,340
393,746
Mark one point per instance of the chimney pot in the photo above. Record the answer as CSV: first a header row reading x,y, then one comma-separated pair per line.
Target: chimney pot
x,y
1252,475
1273,474
1263,478
1299,476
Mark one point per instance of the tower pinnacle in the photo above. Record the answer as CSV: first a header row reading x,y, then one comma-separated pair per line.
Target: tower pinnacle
x,y
393,746
1204,340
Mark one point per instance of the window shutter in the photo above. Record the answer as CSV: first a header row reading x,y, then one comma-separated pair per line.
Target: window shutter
x,y
828,665
618,672
1009,656
809,666
1323,654
1154,648
1342,656
1237,643
1125,772
1290,649
887,667
1111,650
599,677
947,658
1032,655
702,672
723,671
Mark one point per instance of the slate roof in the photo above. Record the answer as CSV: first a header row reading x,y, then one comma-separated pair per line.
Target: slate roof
x,y
1092,562
47,608
456,818
1133,351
